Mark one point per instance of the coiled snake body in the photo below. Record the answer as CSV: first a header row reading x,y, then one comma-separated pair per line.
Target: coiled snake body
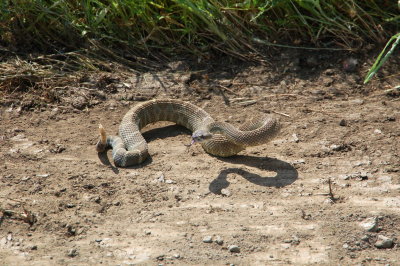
x,y
217,138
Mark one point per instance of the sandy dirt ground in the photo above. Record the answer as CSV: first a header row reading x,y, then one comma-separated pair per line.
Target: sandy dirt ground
x,y
63,204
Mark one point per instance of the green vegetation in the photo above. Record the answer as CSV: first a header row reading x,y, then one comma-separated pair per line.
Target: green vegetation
x,y
383,56
170,26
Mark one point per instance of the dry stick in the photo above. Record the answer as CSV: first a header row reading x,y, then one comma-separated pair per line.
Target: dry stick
x,y
284,94
279,113
226,99
324,112
227,89
331,196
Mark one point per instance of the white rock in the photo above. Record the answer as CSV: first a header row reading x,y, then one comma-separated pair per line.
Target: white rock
x,y
207,239
370,224
234,249
295,138
225,192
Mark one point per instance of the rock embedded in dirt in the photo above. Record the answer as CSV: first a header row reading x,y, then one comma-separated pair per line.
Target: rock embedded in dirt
x,y
343,123
295,138
370,224
207,239
219,240
356,176
295,240
384,242
365,238
72,253
234,248
226,192
160,177
79,102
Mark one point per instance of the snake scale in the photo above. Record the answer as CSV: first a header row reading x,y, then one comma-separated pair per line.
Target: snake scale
x,y
217,138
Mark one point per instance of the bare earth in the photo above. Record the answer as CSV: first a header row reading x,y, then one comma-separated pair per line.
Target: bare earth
x,y
271,201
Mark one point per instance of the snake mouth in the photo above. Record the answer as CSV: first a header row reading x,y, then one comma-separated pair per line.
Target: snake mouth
x,y
200,136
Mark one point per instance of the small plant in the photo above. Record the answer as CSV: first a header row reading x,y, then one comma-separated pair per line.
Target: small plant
x,y
383,56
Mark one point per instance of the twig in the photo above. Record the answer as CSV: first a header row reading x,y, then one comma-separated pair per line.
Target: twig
x,y
331,196
279,113
283,94
227,89
247,103
322,111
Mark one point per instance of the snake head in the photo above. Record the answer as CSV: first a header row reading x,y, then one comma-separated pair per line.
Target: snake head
x,y
201,136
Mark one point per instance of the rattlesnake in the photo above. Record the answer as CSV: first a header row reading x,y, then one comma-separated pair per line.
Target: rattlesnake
x,y
217,138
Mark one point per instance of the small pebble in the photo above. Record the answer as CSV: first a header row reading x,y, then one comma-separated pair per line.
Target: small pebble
x,y
300,161
225,192
43,175
219,240
357,101
365,238
384,242
295,138
234,249
343,123
160,177
207,239
72,253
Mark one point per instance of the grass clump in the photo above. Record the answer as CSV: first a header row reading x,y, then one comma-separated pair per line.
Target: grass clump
x,y
145,26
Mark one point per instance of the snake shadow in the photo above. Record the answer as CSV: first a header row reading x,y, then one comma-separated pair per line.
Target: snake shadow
x,y
286,174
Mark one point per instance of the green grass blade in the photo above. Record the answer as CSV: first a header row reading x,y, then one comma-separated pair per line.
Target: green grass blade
x,y
382,58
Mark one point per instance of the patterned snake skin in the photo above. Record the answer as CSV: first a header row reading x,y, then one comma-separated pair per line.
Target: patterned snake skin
x,y
130,148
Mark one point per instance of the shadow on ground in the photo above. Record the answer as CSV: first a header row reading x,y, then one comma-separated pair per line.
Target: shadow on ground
x,y
286,174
